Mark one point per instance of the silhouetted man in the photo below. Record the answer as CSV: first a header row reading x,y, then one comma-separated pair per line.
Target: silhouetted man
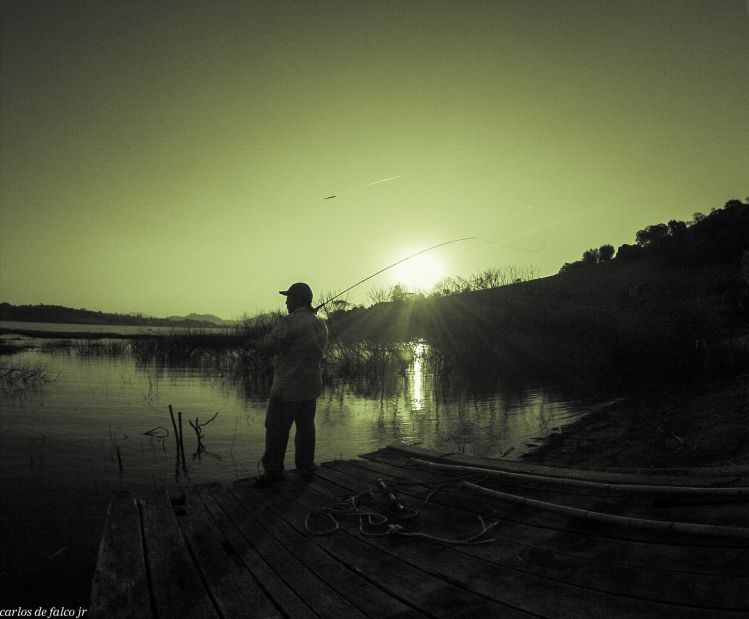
x,y
299,342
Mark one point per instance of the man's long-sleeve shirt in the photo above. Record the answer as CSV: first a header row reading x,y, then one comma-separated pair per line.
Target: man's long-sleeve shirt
x,y
299,342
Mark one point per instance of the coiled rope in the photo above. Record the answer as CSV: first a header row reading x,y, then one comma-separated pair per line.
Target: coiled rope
x,y
386,511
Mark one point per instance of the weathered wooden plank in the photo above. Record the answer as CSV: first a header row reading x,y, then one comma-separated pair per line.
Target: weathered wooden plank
x,y
303,579
735,475
584,570
515,586
120,587
704,504
564,523
715,506
352,585
242,552
273,585
413,583
233,588
176,585
524,526
708,533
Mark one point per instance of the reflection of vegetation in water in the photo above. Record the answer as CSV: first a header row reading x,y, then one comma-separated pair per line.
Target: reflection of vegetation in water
x,y
22,375
370,368
101,348
419,393
37,452
446,410
116,451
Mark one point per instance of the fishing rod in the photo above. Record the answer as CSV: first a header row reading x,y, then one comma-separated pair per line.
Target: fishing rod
x,y
395,264
418,253
423,251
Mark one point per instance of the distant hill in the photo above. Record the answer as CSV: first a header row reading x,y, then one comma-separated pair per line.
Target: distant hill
x,y
61,314
204,318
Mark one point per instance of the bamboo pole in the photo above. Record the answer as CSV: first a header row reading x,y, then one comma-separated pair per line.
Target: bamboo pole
x,y
580,483
645,523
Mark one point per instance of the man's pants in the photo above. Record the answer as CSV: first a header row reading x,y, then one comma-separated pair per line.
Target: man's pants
x,y
278,419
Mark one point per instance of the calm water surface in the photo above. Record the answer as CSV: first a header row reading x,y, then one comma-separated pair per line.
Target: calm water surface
x,y
60,443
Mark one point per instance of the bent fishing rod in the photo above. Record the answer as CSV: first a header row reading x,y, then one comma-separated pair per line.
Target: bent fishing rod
x,y
418,253
395,264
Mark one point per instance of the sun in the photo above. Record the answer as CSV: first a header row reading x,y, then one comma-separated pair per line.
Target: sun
x,y
419,274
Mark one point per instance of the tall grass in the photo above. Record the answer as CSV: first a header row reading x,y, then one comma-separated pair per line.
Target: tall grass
x,y
619,325
623,325
21,375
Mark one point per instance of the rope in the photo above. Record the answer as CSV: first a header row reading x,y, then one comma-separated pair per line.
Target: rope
x,y
473,539
350,506
334,528
391,516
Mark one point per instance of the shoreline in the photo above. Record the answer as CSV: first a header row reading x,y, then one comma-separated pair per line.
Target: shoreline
x,y
705,424
53,334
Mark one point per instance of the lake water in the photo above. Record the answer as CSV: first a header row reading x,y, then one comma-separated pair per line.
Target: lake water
x,y
103,420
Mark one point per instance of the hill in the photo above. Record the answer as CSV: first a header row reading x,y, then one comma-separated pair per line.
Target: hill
x,y
61,314
210,318
671,306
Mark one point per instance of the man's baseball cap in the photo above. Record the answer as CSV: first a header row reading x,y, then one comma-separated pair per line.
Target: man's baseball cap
x,y
300,290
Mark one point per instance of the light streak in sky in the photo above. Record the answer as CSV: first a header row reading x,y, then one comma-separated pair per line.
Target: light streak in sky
x,y
390,178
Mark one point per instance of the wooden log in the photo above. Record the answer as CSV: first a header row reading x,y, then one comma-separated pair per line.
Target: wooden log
x,y
120,587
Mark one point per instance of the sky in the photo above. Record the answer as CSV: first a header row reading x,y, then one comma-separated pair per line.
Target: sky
x,y
174,157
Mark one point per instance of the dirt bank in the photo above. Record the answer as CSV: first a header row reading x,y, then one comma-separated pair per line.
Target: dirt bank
x,y
702,425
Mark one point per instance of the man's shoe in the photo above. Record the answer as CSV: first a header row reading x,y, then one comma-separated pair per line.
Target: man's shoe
x,y
307,475
266,481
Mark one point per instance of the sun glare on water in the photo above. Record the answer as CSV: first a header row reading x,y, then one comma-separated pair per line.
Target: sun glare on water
x,y
419,274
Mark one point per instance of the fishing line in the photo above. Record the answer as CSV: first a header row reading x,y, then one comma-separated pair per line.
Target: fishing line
x,y
395,264
516,247
525,200
438,245
414,255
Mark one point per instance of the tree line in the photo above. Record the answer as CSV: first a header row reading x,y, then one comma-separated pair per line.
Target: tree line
x,y
61,314
719,237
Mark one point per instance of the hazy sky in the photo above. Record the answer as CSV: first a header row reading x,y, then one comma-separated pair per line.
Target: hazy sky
x,y
169,158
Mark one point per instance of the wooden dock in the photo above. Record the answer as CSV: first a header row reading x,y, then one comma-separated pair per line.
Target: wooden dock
x,y
403,532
